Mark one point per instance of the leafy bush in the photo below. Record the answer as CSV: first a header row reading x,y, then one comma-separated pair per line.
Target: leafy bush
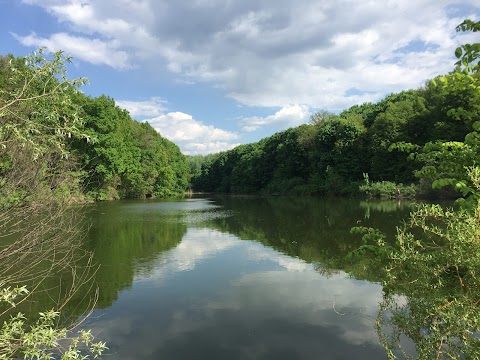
x,y
433,267
386,189
43,339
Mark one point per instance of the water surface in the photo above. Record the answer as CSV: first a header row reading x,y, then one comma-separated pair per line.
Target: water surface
x,y
236,278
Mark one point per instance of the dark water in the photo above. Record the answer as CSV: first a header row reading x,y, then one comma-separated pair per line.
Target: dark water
x,y
236,278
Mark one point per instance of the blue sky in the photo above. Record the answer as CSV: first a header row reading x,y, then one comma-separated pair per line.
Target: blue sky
x,y
212,74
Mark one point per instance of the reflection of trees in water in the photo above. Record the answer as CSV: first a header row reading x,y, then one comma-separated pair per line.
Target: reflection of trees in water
x,y
384,206
119,248
429,298
122,243
312,229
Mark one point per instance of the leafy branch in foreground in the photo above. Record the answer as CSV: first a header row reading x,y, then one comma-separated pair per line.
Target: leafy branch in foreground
x,y
36,106
43,339
432,284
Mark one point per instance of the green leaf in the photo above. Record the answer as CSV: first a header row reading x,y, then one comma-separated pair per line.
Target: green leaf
x,y
460,185
458,52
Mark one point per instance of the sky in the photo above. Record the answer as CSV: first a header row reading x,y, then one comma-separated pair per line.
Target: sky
x,y
212,74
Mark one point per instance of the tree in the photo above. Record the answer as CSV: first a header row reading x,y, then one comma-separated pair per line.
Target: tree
x,y
468,55
389,127
449,163
321,116
337,153
39,231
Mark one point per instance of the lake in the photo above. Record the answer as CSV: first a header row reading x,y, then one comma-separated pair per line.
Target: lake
x,y
235,277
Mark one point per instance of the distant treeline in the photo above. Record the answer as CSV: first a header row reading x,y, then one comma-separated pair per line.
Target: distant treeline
x,y
334,153
105,153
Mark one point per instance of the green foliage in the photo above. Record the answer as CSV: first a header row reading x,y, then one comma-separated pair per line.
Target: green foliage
x,y
128,159
42,339
42,110
321,116
336,154
296,161
451,163
38,119
386,189
36,107
433,265
432,288
266,166
369,111
468,55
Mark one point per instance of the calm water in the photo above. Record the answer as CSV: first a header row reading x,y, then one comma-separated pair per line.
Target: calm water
x,y
236,278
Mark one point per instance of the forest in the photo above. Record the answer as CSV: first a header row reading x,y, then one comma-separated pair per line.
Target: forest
x,y
105,154
333,154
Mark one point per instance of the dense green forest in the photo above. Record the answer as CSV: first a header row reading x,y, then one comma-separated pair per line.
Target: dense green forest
x,y
334,153
127,159
110,155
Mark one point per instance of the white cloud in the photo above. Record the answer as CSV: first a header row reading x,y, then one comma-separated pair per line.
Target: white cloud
x,y
153,107
94,51
270,54
288,116
260,253
196,148
192,135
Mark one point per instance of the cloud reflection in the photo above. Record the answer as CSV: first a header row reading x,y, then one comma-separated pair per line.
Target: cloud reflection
x,y
246,302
